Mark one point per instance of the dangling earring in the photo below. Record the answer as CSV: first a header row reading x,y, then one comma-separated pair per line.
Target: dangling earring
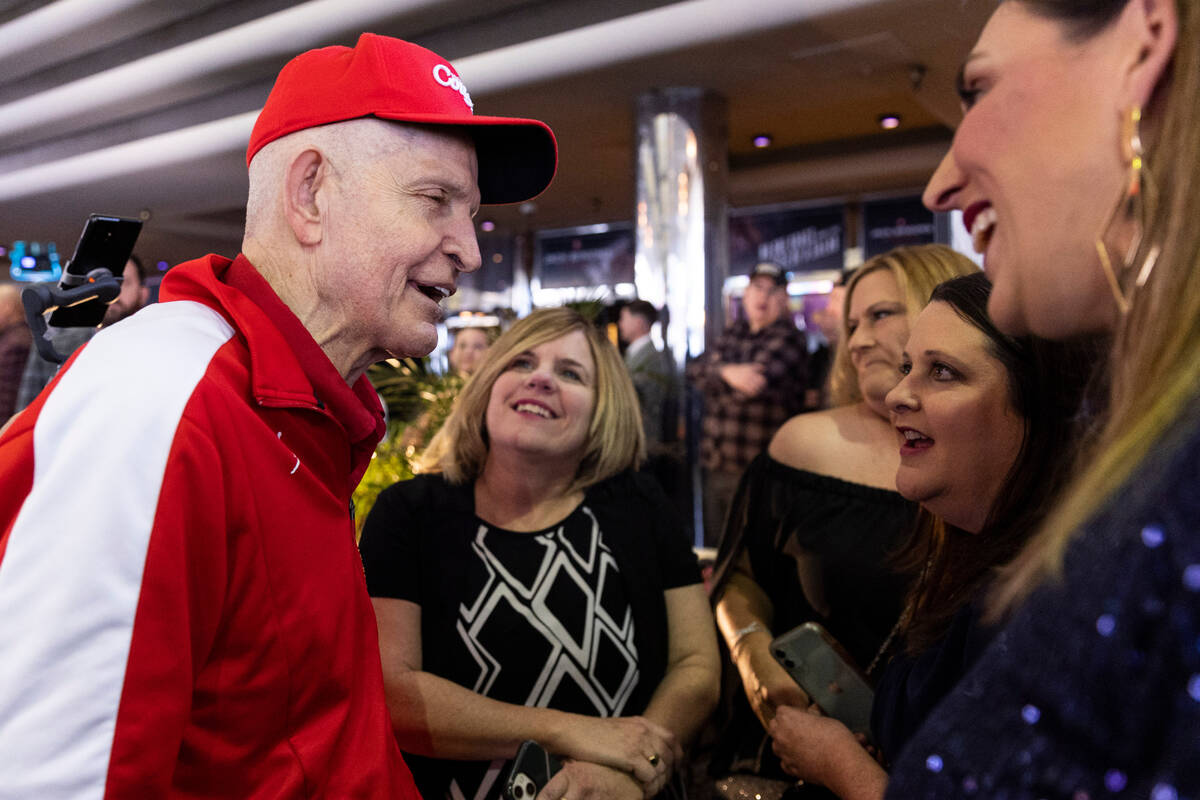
x,y
1129,210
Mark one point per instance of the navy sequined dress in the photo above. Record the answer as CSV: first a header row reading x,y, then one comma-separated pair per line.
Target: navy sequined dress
x,y
1093,690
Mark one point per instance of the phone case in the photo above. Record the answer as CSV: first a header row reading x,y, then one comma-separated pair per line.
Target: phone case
x,y
826,672
531,770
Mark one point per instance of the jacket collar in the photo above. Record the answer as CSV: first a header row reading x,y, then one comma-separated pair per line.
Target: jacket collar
x,y
287,366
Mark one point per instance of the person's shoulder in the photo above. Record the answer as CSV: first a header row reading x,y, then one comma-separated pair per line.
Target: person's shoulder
x,y
182,331
1162,493
424,488
148,363
628,490
805,440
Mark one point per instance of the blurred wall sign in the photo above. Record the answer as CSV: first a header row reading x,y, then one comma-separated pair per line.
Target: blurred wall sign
x,y
31,262
892,223
798,239
498,254
597,255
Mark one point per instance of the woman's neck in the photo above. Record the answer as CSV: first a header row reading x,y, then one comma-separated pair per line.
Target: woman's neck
x,y
877,405
519,494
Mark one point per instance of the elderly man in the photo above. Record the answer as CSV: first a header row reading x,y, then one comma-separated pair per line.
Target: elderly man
x,y
182,605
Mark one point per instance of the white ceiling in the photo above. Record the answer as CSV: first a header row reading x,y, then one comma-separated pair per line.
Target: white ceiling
x,y
144,106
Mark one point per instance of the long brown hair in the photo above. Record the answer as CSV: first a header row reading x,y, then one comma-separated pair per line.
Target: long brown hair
x,y
1155,359
1046,383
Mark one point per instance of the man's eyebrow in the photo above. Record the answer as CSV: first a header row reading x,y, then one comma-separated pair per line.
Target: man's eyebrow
x,y
444,181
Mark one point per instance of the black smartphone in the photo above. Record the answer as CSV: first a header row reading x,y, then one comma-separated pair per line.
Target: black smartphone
x,y
827,674
105,242
531,770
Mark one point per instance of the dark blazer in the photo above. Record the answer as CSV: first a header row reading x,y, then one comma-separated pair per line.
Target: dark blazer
x,y
654,381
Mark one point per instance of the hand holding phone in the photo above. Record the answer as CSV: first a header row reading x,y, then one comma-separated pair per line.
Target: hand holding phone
x,y
826,672
531,770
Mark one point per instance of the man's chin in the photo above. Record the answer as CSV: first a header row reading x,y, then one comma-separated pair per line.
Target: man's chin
x,y
417,345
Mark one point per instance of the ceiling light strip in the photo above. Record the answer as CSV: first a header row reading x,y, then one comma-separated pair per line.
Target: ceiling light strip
x,y
56,20
639,35
166,149
283,33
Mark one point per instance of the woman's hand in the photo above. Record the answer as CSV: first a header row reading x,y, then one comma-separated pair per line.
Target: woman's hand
x,y
583,780
632,745
822,750
767,684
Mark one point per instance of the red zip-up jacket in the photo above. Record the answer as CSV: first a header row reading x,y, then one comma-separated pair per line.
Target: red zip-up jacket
x,y
182,606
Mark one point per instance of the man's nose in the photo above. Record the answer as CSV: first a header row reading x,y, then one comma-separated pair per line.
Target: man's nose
x,y
463,246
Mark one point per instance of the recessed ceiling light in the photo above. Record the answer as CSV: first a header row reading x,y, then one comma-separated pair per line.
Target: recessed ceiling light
x,y
889,121
762,140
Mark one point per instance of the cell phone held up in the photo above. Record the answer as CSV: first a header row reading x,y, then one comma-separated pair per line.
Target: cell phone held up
x,y
106,242
827,674
531,770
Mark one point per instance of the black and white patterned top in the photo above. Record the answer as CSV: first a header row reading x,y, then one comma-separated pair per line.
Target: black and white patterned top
x,y
550,618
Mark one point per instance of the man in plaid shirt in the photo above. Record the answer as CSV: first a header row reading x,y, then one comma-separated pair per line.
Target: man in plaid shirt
x,y
753,379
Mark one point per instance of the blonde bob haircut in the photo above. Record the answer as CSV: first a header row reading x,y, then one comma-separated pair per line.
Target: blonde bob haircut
x,y
615,441
917,270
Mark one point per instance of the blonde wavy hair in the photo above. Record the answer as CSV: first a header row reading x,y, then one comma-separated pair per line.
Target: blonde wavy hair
x,y
615,441
917,270
1155,361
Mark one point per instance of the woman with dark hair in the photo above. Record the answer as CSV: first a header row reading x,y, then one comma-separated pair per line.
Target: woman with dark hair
x,y
1075,168
814,518
988,425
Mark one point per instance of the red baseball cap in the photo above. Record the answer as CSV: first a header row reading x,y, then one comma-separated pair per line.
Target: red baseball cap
x,y
396,80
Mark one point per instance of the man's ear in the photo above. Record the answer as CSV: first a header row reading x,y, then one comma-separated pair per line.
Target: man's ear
x,y
1151,28
305,180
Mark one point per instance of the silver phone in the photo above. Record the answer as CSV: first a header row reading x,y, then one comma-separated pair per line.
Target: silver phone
x,y
826,672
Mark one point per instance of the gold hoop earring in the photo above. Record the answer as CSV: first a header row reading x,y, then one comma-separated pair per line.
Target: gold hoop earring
x,y
1129,211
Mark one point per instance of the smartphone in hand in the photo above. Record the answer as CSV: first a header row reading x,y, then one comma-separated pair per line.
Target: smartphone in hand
x,y
531,770
105,242
826,672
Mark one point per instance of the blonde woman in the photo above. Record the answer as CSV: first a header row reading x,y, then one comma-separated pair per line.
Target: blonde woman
x,y
1075,166
816,515
533,587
